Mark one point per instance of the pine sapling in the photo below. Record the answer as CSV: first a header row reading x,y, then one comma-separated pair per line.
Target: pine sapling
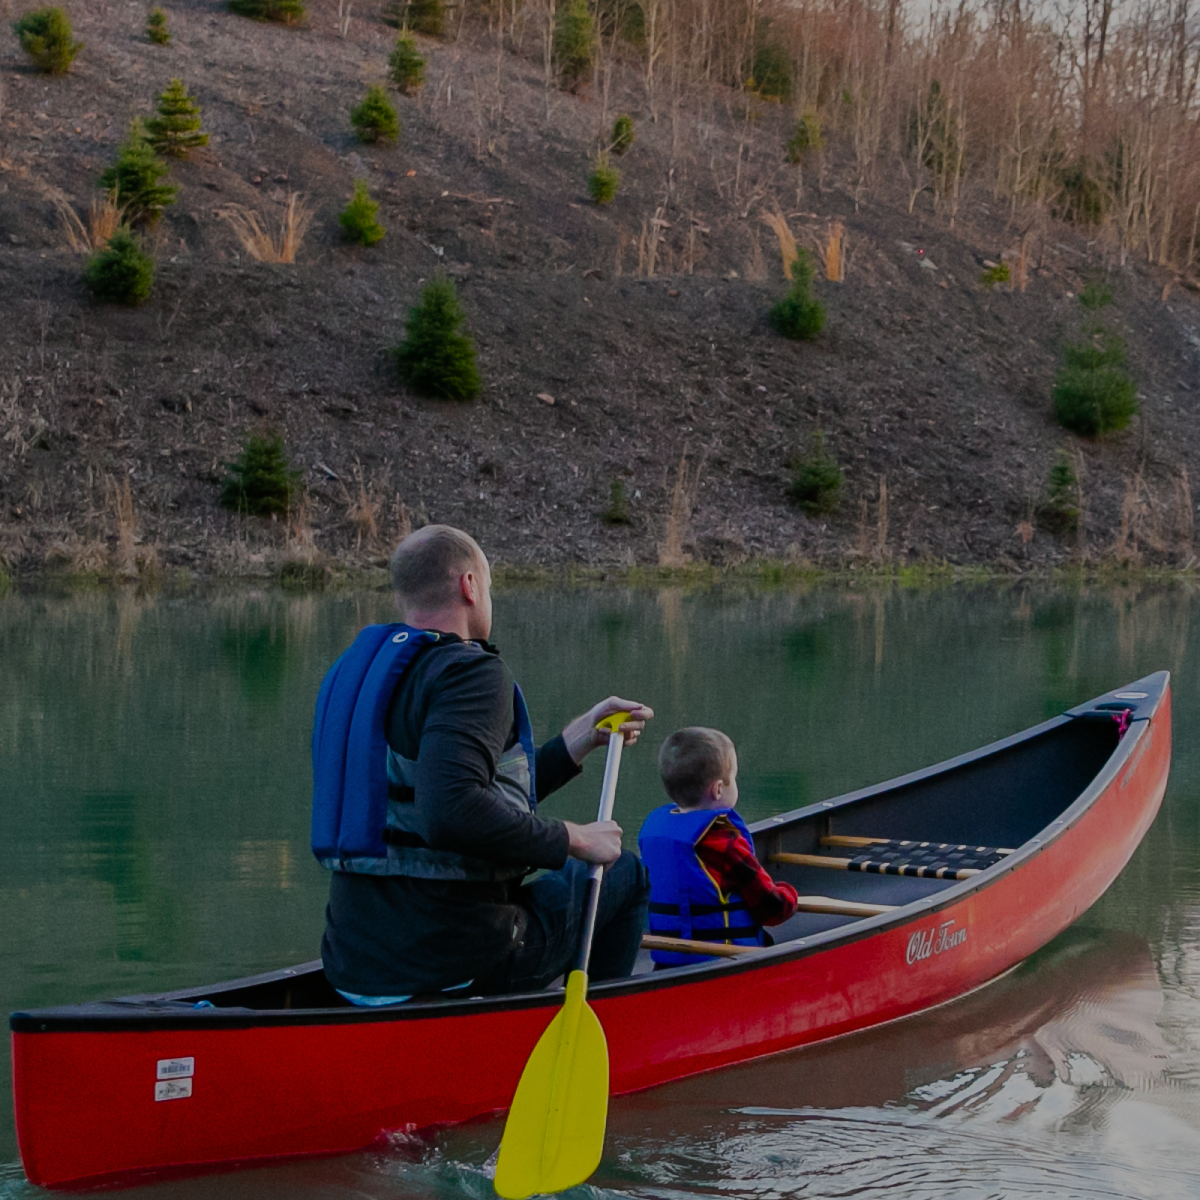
x,y
261,481
156,27
176,129
798,315
622,134
427,17
603,181
285,12
46,36
134,178
817,478
375,119
1093,394
408,66
358,217
121,272
436,359
1060,512
617,512
574,37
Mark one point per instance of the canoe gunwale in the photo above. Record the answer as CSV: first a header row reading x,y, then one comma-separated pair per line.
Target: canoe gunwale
x,y
143,1012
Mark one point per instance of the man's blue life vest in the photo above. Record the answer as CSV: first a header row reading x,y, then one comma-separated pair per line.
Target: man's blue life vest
x,y
363,814
684,900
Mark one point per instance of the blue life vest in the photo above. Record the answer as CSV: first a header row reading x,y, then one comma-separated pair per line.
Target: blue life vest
x,y
363,813
684,900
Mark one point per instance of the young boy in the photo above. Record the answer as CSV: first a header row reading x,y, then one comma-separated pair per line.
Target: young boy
x,y
705,883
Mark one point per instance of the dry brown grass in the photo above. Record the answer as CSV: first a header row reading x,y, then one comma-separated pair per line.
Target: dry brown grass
x,y
86,236
258,242
787,241
678,527
363,510
834,254
301,539
125,556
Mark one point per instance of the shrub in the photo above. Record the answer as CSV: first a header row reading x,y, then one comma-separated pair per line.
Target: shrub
x,y
806,138
156,27
799,315
120,273
622,134
427,17
1093,394
771,72
617,512
436,359
286,12
1081,195
603,181
134,178
358,217
817,479
574,35
994,275
1060,511
261,481
1096,294
45,35
408,66
176,129
375,119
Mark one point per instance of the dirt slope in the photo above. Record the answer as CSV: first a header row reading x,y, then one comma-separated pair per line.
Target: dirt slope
x,y
922,376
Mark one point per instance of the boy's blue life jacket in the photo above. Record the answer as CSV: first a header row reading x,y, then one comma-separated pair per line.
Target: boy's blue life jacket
x,y
363,814
684,900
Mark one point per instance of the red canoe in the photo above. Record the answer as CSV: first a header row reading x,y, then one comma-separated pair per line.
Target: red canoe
x,y
979,861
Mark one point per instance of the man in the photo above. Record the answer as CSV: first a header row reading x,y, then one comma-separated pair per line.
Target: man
x,y
429,856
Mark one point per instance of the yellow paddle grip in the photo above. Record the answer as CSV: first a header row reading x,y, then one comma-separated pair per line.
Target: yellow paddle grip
x,y
614,721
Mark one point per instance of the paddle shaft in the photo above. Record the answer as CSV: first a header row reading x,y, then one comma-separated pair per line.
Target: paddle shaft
x,y
608,795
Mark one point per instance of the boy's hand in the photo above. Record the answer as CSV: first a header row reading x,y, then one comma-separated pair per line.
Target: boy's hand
x,y
599,842
582,736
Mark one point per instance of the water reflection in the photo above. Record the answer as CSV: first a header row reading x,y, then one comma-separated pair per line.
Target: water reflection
x,y
154,789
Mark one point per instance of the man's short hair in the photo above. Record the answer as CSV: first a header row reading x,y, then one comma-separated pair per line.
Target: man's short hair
x,y
693,758
428,564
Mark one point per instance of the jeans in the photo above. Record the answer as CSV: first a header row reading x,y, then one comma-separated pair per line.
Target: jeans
x,y
549,946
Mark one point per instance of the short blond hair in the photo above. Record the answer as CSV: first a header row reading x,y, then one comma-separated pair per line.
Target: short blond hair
x,y
693,758
428,564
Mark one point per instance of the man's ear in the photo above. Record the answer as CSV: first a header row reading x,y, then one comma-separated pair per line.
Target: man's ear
x,y
468,587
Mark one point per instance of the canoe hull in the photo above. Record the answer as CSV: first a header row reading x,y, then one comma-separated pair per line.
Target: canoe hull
x,y
85,1102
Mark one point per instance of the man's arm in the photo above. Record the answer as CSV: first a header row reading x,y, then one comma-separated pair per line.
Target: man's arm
x,y
730,860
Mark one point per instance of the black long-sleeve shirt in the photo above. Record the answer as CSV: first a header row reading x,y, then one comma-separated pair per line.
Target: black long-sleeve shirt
x,y
394,935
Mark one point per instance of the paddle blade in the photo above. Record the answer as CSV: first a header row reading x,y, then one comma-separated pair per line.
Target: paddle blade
x,y
555,1130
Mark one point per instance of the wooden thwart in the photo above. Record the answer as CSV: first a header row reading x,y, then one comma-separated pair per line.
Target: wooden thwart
x,y
874,868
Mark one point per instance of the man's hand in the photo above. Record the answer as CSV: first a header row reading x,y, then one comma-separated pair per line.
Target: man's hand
x,y
582,736
599,842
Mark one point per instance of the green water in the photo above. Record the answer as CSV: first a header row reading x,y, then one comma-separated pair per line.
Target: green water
x,y
154,788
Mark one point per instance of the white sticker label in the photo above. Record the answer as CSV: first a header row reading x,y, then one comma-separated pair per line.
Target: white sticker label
x,y
176,1068
172,1089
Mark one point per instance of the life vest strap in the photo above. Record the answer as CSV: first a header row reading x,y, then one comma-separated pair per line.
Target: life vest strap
x,y
697,910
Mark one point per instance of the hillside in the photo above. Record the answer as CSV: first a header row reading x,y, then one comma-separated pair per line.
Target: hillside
x,y
922,377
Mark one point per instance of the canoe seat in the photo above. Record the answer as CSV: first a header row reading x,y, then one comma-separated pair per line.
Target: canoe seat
x,y
895,856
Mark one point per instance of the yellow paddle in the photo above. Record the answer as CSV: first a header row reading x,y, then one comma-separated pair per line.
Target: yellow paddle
x,y
555,1130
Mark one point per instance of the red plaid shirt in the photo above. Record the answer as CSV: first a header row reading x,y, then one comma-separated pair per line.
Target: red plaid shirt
x,y
729,859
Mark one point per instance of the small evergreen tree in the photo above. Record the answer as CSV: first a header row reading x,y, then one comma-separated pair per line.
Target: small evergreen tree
x,y
408,66
799,315
156,27
617,512
375,119
426,16
805,139
120,273
771,72
261,481
393,12
286,12
994,275
817,479
436,359
1060,512
1093,394
358,217
1096,294
574,37
134,179
603,181
176,129
46,36
622,134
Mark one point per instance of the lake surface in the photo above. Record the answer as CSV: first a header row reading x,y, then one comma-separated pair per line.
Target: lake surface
x,y
154,792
